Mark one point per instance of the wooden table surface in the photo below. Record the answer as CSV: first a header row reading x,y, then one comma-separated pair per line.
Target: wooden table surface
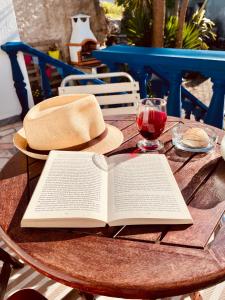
x,y
134,261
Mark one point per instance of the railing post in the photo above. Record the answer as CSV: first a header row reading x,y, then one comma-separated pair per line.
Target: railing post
x,y
140,74
44,80
174,98
19,83
215,113
113,67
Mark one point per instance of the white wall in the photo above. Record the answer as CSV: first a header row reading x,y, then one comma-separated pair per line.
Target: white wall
x,y
9,103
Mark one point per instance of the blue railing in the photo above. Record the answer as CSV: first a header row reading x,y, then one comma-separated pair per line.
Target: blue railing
x,y
170,65
12,48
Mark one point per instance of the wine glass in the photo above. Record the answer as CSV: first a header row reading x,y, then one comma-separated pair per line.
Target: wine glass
x,y
151,120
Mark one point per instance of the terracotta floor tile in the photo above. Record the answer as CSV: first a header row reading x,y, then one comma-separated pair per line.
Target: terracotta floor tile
x,y
7,146
13,125
6,153
6,139
3,161
6,132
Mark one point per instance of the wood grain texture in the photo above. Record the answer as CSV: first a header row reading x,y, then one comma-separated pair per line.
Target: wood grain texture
x,y
117,267
16,165
146,233
198,234
192,175
206,207
217,246
136,264
12,192
120,117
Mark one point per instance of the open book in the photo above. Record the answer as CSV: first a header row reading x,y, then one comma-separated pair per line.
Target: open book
x,y
84,189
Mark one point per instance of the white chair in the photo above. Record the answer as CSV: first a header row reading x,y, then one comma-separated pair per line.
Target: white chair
x,y
114,98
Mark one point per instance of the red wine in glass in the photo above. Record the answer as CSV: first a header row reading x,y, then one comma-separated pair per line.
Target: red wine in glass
x,y
151,120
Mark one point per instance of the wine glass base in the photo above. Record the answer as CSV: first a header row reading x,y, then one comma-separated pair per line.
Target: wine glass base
x,y
148,146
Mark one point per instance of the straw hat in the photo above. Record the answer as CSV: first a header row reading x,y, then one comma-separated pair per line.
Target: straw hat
x,y
66,122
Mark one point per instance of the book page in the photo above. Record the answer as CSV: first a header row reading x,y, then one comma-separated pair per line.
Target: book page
x,y
71,186
143,186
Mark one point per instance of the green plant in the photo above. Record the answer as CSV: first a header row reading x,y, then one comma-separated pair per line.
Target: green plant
x,y
137,21
191,35
135,4
170,32
137,26
196,33
112,10
205,27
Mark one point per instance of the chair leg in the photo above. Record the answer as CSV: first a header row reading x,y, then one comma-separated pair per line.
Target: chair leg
x,y
4,278
7,258
196,296
26,294
86,296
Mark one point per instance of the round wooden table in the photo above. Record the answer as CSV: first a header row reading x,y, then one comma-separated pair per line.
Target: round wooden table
x,y
135,261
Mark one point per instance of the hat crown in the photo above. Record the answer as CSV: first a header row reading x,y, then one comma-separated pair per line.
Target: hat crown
x,y
63,121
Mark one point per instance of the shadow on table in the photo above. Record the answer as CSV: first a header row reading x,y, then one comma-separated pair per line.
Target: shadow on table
x,y
17,165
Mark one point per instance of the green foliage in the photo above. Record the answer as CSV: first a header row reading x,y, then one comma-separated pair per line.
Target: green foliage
x,y
112,10
137,21
170,4
137,26
196,33
135,4
192,37
205,26
170,32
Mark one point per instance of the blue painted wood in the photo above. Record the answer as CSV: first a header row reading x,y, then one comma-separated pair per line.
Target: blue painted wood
x,y
192,106
113,67
139,73
190,103
170,64
215,113
44,80
174,98
19,83
12,48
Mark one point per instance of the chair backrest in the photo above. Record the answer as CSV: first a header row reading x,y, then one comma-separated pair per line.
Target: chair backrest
x,y
114,98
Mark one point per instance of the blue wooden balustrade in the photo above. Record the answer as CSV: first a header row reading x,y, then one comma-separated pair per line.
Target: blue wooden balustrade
x,y
170,65
12,48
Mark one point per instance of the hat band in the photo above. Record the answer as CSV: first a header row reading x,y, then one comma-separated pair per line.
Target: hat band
x,y
79,147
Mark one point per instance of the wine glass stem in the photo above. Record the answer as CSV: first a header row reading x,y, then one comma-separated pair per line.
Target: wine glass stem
x,y
150,145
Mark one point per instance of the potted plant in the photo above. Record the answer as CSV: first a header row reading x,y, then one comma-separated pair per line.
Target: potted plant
x,y
54,52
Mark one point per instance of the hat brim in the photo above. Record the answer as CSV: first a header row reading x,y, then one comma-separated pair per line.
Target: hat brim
x,y
111,141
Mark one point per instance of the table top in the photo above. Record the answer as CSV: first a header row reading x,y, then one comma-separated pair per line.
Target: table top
x,y
133,261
